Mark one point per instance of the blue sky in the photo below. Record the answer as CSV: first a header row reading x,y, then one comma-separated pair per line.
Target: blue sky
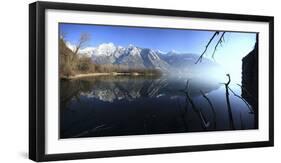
x,y
229,55
155,38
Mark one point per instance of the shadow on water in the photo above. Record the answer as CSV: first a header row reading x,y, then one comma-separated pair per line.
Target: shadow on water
x,y
134,105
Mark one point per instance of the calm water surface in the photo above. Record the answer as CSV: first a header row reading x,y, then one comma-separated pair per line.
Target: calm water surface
x,y
118,105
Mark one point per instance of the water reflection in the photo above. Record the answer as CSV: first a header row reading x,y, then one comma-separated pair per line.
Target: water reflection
x,y
115,106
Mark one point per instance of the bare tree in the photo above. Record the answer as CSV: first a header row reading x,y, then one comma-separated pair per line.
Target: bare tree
x,y
84,38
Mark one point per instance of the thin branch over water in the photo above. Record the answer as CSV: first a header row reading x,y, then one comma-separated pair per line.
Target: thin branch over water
x,y
208,44
218,43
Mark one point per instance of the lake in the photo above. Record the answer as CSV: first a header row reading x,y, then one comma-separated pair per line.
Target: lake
x,y
137,105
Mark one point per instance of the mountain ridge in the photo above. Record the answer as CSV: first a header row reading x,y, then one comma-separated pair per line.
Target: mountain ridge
x,y
136,57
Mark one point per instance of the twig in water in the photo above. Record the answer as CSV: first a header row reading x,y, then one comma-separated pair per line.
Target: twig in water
x,y
231,123
187,86
249,107
212,108
205,124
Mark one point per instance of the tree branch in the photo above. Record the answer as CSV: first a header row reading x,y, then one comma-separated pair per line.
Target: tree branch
x,y
229,80
248,93
204,122
201,56
82,40
212,107
251,110
219,42
231,122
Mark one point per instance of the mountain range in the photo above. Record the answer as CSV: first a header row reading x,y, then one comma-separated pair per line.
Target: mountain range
x,y
137,57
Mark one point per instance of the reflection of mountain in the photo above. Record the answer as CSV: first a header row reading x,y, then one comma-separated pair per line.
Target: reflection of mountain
x,y
109,89
136,57
116,106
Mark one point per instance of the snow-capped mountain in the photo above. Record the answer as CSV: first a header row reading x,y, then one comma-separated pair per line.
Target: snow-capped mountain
x,y
132,56
136,57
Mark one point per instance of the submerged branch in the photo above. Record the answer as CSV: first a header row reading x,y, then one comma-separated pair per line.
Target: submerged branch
x,y
187,86
231,123
212,108
249,107
205,123
197,110
229,80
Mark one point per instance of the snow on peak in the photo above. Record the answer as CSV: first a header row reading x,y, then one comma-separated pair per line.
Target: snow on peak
x,y
88,51
106,49
133,50
161,52
131,45
173,52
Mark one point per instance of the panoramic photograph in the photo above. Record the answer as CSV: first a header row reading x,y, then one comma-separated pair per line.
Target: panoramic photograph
x,y
126,80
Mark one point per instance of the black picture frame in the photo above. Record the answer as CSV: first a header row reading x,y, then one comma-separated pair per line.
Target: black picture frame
x,y
37,87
